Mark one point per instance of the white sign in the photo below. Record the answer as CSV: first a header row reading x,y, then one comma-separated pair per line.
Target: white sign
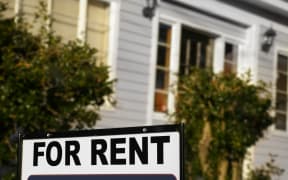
x,y
152,152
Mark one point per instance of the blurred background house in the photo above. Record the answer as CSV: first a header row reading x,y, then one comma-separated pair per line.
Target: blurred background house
x,y
147,42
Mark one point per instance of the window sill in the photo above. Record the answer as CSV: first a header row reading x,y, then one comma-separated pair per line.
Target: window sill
x,y
160,116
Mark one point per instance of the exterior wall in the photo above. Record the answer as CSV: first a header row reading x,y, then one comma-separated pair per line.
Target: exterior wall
x,y
274,142
132,70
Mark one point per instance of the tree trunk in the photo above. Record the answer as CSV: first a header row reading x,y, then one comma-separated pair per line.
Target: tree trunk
x,y
223,166
204,146
235,170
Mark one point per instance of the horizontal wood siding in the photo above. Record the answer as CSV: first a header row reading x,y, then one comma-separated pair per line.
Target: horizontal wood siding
x,y
132,70
272,143
203,21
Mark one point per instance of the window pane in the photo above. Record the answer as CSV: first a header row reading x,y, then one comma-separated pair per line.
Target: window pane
x,y
280,123
164,33
282,63
203,61
196,50
230,58
282,94
65,19
162,79
281,102
162,68
228,52
160,104
282,82
98,28
163,56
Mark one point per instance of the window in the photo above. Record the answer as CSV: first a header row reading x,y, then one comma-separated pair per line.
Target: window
x,y
88,20
95,31
162,68
65,19
230,58
196,50
281,93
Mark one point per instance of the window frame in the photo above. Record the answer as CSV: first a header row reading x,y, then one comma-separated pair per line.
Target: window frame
x,y
165,68
173,65
217,55
278,51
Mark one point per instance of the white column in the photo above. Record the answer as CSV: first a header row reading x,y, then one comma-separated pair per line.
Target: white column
x,y
174,65
218,58
82,20
17,9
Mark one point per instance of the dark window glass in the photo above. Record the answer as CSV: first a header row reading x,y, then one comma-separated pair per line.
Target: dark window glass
x,y
230,58
228,52
282,94
196,50
281,99
282,82
163,56
161,79
282,63
164,33
280,123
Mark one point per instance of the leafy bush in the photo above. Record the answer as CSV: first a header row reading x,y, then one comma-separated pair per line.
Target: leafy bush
x,y
45,84
224,115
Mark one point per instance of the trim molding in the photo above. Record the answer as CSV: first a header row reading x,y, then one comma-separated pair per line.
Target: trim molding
x,y
268,13
206,12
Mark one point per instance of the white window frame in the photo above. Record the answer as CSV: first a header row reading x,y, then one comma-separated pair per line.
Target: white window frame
x,y
219,55
173,67
279,50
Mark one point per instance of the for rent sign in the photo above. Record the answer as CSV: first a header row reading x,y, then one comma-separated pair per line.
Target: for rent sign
x,y
142,153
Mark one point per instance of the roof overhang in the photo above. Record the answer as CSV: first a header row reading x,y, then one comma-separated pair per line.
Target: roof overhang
x,y
274,10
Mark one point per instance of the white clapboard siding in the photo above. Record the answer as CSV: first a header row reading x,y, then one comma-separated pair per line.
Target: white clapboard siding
x,y
272,143
132,71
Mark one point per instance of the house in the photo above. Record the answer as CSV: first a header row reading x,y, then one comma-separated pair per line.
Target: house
x,y
145,51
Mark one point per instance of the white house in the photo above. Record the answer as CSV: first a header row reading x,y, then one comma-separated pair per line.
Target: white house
x,y
145,52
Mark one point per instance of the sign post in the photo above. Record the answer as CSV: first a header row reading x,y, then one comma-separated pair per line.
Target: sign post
x,y
136,153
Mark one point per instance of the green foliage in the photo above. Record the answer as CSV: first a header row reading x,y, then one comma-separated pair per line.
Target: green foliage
x,y
236,109
45,84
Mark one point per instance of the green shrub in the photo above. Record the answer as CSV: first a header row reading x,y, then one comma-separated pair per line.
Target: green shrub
x,y
45,84
223,116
